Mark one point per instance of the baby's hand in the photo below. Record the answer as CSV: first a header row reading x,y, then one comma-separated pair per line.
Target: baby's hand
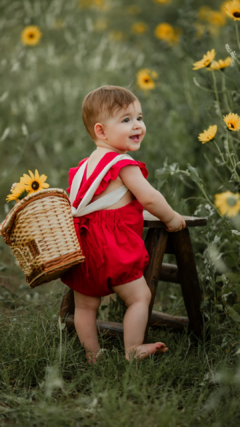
x,y
177,223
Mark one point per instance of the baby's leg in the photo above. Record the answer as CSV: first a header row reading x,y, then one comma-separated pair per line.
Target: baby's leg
x,y
137,296
85,323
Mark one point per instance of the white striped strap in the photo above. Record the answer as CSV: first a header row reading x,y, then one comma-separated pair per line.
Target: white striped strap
x,y
103,202
77,182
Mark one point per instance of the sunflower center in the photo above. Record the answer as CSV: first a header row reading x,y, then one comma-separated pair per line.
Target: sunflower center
x,y
31,35
236,14
146,80
231,125
35,185
231,201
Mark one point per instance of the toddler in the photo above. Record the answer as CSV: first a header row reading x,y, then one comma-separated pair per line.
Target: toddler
x,y
108,192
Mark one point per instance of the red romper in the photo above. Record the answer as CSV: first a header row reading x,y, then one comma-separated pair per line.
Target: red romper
x,y
111,239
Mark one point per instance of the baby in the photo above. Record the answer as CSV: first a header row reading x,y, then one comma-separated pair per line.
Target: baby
x,y
110,228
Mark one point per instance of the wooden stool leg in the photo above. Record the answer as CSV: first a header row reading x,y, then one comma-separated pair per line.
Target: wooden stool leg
x,y
67,306
155,242
188,279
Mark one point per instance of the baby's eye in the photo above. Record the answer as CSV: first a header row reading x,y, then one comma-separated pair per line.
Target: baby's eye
x,y
126,120
140,118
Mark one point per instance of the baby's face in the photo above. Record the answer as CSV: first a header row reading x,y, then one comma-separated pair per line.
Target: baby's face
x,y
125,130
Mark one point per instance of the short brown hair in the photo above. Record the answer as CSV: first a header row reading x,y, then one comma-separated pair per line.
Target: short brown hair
x,y
103,100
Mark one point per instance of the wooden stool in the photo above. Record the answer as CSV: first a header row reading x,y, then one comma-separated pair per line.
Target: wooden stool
x,y
159,242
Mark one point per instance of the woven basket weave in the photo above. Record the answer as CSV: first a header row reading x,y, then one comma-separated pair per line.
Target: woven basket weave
x,y
40,231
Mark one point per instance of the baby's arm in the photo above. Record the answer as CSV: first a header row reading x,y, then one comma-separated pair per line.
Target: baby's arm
x,y
151,199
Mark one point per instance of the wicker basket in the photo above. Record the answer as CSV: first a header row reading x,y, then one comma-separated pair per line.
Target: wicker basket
x,y
40,231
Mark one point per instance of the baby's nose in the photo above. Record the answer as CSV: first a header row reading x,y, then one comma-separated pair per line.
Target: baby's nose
x,y
136,124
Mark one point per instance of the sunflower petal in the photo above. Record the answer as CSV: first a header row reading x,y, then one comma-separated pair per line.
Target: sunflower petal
x,y
43,178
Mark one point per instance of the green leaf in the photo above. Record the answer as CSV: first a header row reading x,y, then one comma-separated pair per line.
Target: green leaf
x,y
219,279
236,307
234,315
234,277
238,289
232,259
162,173
194,174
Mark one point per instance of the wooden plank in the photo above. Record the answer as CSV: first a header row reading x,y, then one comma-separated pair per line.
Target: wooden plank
x,y
155,242
151,221
161,319
188,279
112,328
169,273
158,319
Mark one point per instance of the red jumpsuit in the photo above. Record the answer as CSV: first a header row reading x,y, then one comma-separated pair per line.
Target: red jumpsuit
x,y
111,239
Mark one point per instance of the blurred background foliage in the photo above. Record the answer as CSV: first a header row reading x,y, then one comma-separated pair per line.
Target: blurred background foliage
x,y
88,43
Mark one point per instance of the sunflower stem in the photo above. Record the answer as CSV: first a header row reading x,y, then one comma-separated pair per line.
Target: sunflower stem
x,y
215,170
228,151
225,91
201,87
216,92
238,42
233,149
222,156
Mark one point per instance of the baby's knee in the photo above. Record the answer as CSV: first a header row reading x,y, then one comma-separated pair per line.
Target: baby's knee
x,y
144,296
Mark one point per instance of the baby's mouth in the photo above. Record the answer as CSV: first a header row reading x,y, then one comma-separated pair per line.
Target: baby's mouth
x,y
135,138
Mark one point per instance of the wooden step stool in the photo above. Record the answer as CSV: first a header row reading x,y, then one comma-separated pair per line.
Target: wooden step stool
x,y
159,242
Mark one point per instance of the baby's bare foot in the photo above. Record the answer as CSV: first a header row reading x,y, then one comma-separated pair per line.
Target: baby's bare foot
x,y
145,350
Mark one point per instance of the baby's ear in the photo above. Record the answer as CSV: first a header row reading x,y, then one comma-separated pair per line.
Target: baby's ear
x,y
99,131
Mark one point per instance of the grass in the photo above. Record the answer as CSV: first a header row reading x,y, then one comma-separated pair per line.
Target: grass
x,y
45,380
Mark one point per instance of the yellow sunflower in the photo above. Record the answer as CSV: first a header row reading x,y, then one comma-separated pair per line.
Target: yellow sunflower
x,y
208,134
232,9
162,1
33,182
227,203
232,121
221,64
165,31
200,28
101,4
139,28
145,79
216,18
18,191
116,35
85,4
31,35
222,7
100,24
204,12
205,61
133,9
98,2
